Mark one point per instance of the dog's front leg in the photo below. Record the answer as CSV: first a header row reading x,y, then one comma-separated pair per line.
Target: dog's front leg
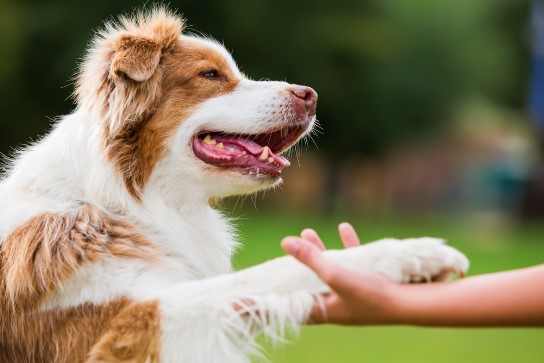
x,y
217,319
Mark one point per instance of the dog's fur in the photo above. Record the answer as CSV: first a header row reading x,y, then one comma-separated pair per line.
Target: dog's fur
x,y
110,250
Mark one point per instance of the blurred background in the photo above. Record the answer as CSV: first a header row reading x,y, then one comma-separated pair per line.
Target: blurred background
x,y
432,123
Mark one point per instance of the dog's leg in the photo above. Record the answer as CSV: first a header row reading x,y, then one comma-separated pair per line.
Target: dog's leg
x,y
408,260
217,319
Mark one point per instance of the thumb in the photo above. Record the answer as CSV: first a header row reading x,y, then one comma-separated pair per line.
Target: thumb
x,y
305,252
339,278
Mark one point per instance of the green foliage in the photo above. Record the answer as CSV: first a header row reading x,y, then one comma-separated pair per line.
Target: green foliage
x,y
384,69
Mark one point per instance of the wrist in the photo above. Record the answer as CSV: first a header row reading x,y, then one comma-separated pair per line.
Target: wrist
x,y
406,305
387,303
420,304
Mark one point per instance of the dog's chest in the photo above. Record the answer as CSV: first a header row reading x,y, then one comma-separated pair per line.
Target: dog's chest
x,y
198,245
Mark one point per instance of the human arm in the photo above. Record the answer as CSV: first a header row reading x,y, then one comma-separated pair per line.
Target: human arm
x,y
510,298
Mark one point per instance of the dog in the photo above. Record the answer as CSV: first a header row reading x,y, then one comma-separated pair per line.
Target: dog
x,y
111,249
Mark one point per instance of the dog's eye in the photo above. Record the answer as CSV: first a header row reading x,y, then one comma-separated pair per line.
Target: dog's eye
x,y
210,74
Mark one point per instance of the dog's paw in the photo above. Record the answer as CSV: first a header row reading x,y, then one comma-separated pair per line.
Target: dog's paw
x,y
430,259
409,260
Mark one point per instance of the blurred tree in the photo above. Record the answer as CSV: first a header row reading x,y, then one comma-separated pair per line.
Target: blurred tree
x,y
384,69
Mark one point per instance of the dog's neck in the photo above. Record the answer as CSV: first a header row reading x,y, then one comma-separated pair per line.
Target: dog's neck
x,y
68,167
70,163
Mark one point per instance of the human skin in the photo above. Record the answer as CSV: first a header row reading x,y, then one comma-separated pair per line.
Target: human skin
x,y
512,298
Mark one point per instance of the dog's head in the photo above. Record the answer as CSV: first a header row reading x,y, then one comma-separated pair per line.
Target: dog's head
x,y
176,106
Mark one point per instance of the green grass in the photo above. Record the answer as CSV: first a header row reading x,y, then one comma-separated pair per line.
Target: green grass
x,y
489,248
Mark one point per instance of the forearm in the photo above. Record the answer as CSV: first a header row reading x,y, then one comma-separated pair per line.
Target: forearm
x,y
511,298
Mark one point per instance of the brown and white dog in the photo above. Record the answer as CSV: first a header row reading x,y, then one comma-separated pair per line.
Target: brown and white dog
x,y
110,250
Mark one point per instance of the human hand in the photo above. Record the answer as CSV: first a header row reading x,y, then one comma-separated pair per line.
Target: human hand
x,y
508,298
355,298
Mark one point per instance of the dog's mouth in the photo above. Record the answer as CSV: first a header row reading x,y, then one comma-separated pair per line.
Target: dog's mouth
x,y
251,154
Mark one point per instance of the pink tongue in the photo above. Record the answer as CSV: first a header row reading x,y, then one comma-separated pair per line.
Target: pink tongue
x,y
249,145
253,148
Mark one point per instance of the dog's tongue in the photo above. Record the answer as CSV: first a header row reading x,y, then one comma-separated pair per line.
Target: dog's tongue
x,y
253,148
249,145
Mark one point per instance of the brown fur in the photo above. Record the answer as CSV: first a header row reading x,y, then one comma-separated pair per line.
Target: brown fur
x,y
134,46
60,336
137,146
36,259
136,58
142,78
133,336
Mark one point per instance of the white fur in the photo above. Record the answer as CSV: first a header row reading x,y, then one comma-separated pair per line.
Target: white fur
x,y
193,282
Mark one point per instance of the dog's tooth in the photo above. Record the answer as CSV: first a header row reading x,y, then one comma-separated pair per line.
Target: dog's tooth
x,y
271,159
220,146
264,154
284,131
208,140
244,153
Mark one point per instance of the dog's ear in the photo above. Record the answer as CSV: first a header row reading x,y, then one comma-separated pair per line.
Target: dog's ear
x,y
120,77
136,58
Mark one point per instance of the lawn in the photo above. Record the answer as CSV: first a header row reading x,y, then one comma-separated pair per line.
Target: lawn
x,y
495,248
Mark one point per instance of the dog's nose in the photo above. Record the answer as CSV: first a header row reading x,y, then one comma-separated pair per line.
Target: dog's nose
x,y
308,95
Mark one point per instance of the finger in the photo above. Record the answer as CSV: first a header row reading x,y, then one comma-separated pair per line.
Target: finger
x,y
339,278
348,235
244,306
312,236
306,252
248,308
